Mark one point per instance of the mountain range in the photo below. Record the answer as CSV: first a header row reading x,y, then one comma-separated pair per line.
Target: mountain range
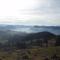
x,y
31,29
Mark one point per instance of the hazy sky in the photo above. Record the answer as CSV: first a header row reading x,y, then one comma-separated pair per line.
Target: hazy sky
x,y
41,12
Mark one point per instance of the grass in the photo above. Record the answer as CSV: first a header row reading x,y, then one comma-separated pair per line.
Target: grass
x,y
30,54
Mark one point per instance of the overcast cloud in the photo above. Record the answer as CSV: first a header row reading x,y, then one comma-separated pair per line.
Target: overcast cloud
x,y
40,12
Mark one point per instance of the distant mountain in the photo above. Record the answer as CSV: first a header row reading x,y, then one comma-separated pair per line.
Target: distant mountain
x,y
6,35
40,39
40,35
27,36
31,29
33,39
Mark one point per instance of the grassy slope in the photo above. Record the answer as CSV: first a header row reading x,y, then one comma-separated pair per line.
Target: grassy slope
x,y
33,54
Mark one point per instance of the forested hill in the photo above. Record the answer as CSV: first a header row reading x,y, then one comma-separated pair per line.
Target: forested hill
x,y
41,39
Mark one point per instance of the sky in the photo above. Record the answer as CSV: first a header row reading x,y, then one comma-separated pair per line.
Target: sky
x,y
30,12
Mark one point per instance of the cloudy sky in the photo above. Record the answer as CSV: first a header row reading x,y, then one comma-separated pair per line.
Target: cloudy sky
x,y
30,12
